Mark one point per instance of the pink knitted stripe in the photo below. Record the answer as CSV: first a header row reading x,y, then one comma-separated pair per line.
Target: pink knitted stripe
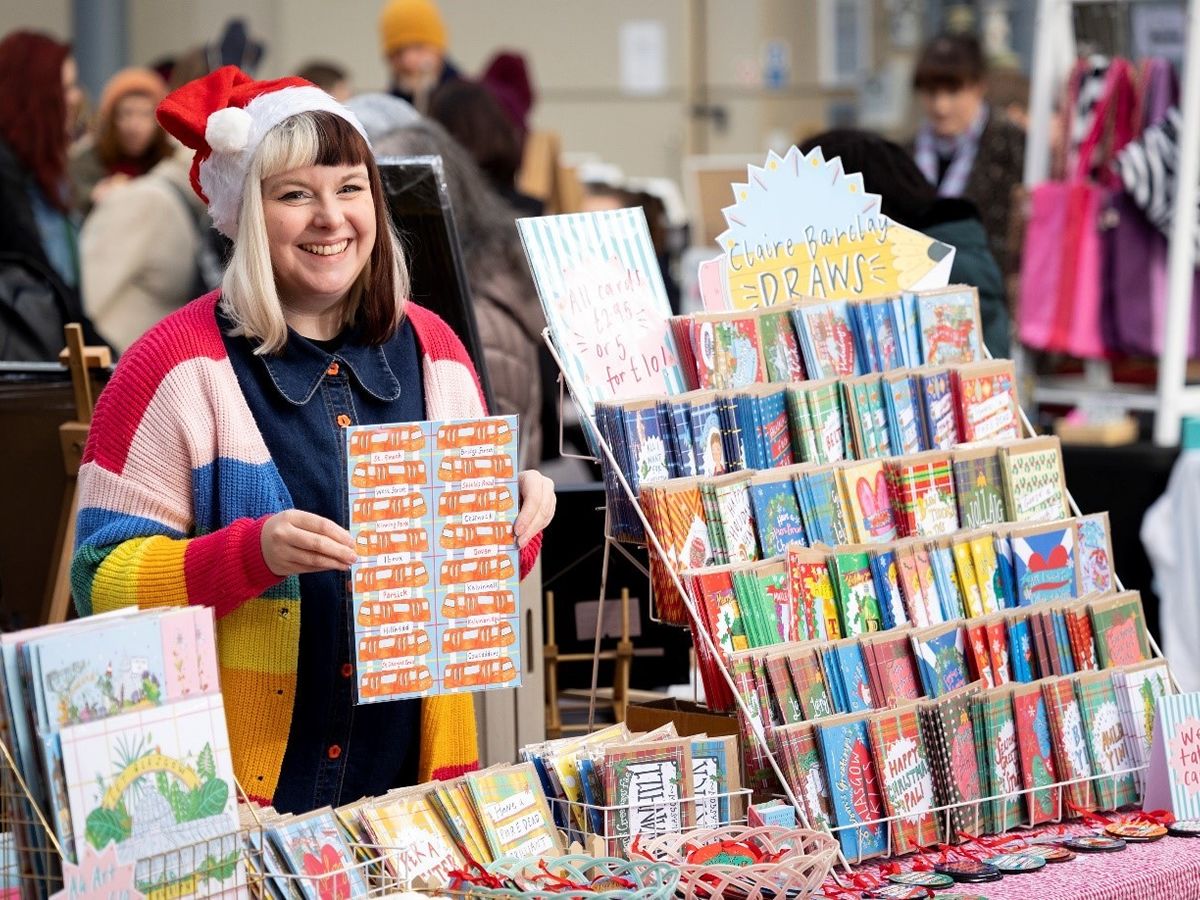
x,y
188,333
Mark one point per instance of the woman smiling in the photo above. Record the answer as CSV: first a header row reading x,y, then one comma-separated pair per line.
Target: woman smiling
x,y
215,470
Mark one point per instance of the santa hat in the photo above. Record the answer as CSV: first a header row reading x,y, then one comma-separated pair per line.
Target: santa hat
x,y
224,117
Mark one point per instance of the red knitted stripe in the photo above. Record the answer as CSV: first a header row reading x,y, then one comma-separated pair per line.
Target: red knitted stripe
x,y
188,333
222,569
446,773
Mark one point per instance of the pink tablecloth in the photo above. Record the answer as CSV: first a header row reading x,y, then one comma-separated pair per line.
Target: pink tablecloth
x,y
1168,869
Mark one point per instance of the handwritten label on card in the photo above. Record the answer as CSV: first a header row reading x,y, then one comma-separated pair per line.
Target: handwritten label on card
x,y
99,876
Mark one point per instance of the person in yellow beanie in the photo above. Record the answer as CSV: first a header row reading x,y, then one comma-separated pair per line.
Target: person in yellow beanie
x,y
414,40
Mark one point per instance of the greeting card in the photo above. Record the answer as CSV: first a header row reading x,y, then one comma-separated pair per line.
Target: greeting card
x,y
906,777
797,744
153,781
776,511
514,813
938,408
1119,625
979,486
646,785
868,501
987,398
1034,484
855,790
1095,554
941,661
1070,742
947,729
602,291
1173,779
1044,562
812,590
950,325
1108,750
1038,768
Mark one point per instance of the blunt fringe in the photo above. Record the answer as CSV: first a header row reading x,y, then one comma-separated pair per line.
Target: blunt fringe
x,y
375,304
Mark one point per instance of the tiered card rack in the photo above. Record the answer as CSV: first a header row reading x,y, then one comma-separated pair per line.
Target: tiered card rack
x,y
655,546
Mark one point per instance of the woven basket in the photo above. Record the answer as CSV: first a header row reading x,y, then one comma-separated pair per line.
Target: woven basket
x,y
805,858
653,880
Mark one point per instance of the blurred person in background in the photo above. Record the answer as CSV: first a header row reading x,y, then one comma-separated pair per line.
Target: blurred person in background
x,y
380,114
507,311
414,41
473,116
146,250
963,147
910,200
126,141
39,266
329,77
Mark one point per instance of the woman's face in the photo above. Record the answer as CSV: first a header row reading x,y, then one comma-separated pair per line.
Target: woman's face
x,y
952,112
135,124
321,230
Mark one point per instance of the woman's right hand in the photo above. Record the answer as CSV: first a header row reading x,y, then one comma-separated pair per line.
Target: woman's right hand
x,y
296,543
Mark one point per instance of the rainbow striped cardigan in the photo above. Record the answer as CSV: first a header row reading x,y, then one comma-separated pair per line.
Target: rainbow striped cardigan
x,y
174,489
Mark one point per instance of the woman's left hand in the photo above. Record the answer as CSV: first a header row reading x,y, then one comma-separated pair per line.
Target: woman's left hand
x,y
537,505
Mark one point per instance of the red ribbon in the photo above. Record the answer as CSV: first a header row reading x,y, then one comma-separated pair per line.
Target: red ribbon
x,y
1096,820
1153,817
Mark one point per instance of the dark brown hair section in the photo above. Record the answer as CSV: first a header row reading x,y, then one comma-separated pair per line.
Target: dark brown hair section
x,y
948,63
340,144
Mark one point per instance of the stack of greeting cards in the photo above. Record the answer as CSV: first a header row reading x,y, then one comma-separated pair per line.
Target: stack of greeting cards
x,y
898,417
610,787
118,729
432,505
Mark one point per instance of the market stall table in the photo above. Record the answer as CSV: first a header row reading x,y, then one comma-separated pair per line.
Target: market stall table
x,y
1169,867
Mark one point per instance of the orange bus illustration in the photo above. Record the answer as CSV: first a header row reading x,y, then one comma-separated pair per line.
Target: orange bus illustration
x,y
403,540
484,637
476,674
469,434
485,534
463,606
387,440
406,506
456,503
385,578
459,468
395,681
377,613
484,568
369,475
393,646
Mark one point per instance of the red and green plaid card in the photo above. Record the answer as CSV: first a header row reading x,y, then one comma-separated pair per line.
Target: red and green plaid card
x,y
906,775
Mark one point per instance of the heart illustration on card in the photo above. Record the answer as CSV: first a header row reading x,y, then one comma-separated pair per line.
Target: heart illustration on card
x,y
875,504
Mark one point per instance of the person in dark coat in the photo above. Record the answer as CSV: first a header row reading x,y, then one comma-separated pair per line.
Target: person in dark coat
x,y
39,262
910,200
963,147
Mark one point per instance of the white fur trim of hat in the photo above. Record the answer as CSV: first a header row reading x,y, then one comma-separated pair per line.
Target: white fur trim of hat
x,y
235,134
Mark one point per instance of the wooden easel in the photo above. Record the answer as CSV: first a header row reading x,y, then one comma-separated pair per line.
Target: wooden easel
x,y
622,657
72,436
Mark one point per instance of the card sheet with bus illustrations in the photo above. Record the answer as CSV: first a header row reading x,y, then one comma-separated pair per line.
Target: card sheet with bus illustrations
x,y
434,593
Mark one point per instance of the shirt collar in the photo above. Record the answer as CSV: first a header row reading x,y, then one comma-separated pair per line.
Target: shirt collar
x,y
298,369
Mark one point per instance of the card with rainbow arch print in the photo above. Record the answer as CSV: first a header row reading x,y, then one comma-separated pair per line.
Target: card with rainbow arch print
x,y
801,226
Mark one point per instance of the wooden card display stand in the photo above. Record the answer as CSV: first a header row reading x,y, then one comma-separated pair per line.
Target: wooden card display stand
x,y
621,657
73,435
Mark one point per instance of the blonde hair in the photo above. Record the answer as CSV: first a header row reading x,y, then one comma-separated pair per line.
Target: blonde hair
x,y
249,296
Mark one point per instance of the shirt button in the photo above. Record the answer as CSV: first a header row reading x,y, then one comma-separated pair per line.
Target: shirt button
x,y
344,420
347,670
333,369
334,751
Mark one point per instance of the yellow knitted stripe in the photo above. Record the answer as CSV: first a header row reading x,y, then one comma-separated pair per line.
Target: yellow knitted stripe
x,y
261,635
448,736
258,710
143,572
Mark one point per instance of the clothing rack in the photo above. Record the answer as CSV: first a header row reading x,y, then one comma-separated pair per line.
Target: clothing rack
x,y
1172,398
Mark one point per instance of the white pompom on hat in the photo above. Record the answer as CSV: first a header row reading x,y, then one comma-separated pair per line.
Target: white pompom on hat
x,y
223,117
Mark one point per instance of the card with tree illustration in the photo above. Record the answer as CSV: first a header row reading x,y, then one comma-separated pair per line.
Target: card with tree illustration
x,y
153,781
1035,488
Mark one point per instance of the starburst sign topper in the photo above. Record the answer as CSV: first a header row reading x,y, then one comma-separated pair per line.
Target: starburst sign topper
x,y
99,876
803,227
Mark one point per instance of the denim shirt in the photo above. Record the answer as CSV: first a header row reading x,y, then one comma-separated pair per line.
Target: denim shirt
x,y
302,399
